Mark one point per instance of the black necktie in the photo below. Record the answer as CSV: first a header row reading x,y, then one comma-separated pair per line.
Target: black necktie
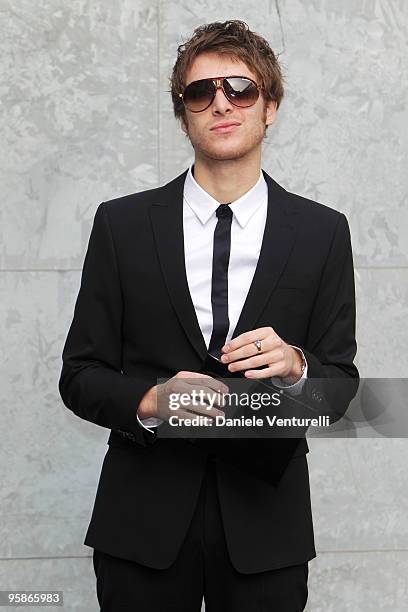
x,y
219,282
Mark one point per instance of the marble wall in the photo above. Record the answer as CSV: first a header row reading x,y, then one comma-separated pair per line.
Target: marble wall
x,y
85,116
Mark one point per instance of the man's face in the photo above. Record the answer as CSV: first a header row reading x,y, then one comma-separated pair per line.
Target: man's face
x,y
245,137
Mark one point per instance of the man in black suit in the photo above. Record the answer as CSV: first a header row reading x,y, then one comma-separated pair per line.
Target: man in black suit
x,y
220,259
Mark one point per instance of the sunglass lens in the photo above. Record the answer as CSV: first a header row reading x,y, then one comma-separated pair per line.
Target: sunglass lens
x,y
241,92
198,95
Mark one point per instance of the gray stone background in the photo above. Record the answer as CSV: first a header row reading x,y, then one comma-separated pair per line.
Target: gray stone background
x,y
85,117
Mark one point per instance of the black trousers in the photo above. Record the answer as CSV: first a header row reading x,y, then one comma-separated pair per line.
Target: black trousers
x,y
202,569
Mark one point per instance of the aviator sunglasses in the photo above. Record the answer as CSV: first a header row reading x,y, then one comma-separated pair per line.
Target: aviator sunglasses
x,y
240,91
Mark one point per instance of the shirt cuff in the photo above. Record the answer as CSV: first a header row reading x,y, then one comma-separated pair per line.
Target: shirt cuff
x,y
296,387
149,423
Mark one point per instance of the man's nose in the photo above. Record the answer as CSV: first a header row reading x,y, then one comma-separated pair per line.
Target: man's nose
x,y
221,102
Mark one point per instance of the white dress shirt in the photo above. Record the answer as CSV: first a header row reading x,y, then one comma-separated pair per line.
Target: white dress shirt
x,y
247,229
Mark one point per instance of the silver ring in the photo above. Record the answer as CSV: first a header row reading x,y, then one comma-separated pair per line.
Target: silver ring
x,y
258,344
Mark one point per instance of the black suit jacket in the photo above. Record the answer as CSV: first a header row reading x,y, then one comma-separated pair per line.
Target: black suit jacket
x,y
134,321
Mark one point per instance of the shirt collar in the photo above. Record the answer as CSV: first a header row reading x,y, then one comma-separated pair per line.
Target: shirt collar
x,y
204,205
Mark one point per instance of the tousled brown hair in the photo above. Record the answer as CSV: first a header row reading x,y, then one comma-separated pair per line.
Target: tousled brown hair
x,y
234,39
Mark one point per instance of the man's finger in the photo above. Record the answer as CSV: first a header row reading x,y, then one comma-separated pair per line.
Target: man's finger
x,y
212,383
192,411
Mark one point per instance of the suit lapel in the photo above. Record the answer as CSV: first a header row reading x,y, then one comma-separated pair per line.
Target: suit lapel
x,y
277,243
279,236
167,222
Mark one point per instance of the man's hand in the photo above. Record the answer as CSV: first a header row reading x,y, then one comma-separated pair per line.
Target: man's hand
x,y
280,358
156,401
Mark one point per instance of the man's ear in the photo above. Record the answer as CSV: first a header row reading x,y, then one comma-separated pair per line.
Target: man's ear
x,y
270,111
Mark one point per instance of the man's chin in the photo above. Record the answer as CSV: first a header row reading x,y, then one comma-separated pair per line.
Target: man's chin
x,y
222,154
